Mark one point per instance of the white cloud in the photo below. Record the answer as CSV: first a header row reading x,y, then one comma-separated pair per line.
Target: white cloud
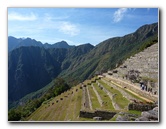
x,y
119,14
69,29
21,17
47,17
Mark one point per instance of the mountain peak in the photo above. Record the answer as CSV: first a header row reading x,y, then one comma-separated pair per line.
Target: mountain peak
x,y
18,42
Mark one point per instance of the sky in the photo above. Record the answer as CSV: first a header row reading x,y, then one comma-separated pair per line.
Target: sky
x,y
77,25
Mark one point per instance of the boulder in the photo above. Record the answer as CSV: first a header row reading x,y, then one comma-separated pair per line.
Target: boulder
x,y
97,118
122,118
150,115
142,119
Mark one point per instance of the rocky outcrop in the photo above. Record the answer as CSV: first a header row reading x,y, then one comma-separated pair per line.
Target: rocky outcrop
x,y
123,116
151,115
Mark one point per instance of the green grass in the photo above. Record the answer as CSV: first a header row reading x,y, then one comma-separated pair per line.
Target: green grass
x,y
94,100
66,109
86,119
77,105
135,96
135,112
105,98
126,90
119,99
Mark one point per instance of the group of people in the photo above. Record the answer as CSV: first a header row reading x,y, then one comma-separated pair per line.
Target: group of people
x,y
143,86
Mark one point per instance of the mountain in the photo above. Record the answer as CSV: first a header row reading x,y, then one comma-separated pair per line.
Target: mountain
x,y
62,44
31,68
14,43
112,52
42,103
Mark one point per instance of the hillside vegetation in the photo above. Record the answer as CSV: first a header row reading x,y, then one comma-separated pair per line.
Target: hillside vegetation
x,y
31,68
67,106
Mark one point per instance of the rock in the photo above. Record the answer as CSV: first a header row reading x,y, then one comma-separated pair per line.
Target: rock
x,y
142,119
150,115
122,118
132,118
97,118
155,109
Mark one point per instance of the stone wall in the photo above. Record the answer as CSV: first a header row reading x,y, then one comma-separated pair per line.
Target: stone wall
x,y
141,107
105,115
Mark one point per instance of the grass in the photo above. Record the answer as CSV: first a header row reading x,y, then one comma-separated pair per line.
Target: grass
x,y
135,112
105,98
94,100
64,110
135,96
119,99
128,91
68,109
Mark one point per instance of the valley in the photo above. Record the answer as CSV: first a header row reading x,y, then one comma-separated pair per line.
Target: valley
x,y
116,80
104,94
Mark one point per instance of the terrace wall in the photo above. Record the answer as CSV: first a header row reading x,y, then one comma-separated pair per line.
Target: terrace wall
x,y
105,115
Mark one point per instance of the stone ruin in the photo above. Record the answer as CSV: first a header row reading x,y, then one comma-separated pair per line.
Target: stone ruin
x,y
141,106
101,115
133,75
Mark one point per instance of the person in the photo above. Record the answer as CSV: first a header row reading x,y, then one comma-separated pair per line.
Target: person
x,y
143,86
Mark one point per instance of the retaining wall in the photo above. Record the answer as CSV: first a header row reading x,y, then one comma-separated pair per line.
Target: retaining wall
x,y
105,115
141,107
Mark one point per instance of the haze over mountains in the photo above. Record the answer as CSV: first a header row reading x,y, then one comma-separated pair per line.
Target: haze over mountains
x,y
32,65
14,43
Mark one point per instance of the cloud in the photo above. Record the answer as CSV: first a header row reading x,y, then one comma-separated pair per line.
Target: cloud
x,y
19,17
69,29
119,14
47,17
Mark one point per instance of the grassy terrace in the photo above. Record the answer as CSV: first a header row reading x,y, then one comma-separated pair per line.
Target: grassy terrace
x,y
65,110
68,109
127,91
94,100
105,98
119,99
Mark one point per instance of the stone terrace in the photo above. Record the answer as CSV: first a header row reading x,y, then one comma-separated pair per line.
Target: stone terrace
x,y
146,62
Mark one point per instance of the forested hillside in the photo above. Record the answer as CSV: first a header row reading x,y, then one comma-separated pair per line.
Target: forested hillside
x,y
30,68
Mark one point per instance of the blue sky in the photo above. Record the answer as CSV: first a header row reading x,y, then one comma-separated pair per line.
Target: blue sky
x,y
77,25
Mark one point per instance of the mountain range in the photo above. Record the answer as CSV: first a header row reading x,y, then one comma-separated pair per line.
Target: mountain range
x,y
14,43
32,65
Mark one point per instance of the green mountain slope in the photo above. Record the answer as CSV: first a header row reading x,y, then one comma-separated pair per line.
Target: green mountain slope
x,y
31,68
112,52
